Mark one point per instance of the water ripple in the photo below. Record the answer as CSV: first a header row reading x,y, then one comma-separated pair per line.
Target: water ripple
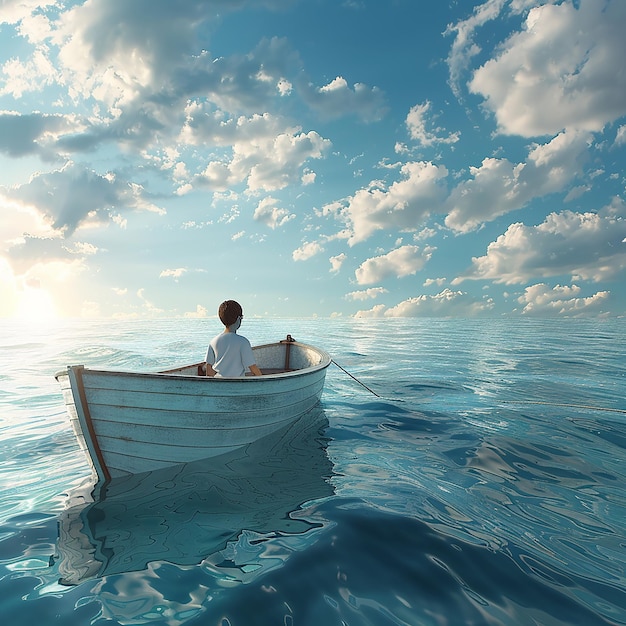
x,y
485,486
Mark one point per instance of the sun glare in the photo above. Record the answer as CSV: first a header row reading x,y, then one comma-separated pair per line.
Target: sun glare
x,y
36,307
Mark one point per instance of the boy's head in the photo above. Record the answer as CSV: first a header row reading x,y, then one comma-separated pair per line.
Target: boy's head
x,y
229,311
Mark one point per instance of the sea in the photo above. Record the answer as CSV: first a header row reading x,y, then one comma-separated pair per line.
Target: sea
x,y
456,472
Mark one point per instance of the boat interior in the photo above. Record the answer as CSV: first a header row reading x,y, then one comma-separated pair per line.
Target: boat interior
x,y
275,358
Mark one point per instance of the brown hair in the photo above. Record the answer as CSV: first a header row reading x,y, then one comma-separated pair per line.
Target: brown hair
x,y
229,311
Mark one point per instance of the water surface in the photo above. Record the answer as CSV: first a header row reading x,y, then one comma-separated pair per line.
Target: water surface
x,y
486,484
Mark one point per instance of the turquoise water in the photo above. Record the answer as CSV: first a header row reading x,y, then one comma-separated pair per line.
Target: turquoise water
x,y
487,484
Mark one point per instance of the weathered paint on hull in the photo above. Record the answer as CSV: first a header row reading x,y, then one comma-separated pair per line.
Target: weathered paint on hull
x,y
129,423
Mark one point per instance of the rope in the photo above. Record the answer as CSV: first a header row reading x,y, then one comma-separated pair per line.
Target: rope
x,y
571,406
354,378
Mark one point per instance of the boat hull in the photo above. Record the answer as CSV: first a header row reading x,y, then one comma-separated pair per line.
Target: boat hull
x,y
130,423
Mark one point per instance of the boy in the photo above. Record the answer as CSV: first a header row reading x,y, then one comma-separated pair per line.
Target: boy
x,y
229,355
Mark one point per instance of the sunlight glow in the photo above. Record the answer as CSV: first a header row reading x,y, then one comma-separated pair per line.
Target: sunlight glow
x,y
36,307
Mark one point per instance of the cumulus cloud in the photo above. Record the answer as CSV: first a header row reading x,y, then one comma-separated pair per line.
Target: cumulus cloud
x,y
154,38
586,246
273,165
265,162
337,98
376,311
307,251
366,294
448,303
12,11
74,194
434,281
620,137
419,127
445,303
498,186
404,204
205,124
33,75
577,89
268,213
143,81
542,300
337,261
33,250
200,312
402,261
21,135
147,78
464,48
45,260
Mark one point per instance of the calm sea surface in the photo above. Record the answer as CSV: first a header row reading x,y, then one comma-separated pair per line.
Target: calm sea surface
x,y
487,484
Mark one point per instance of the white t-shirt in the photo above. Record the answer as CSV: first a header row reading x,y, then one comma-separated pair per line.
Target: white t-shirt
x,y
230,355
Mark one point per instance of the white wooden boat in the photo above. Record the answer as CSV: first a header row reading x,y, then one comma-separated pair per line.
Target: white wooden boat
x,y
130,423
190,513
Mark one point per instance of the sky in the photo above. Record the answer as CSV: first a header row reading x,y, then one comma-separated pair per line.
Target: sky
x,y
312,158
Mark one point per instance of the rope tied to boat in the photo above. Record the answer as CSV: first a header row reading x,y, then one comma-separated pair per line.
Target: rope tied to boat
x,y
354,378
560,404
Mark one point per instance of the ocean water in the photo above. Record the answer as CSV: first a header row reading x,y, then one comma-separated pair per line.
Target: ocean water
x,y
485,483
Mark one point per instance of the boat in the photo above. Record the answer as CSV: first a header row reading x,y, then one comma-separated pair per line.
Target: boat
x,y
134,422
201,512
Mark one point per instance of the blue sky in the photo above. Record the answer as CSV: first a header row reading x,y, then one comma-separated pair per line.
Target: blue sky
x,y
312,158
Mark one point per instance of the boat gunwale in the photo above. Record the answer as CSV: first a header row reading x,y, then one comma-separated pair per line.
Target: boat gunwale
x,y
169,375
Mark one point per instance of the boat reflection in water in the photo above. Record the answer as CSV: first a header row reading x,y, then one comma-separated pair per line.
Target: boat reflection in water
x,y
204,512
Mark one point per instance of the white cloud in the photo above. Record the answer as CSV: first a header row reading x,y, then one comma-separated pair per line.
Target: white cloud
x,y
498,186
586,246
366,294
278,163
337,99
204,124
74,195
16,219
142,86
402,261
117,63
200,312
337,261
376,311
404,205
266,162
175,273
434,281
464,48
307,251
542,300
271,215
446,303
31,255
33,75
418,125
559,71
12,11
